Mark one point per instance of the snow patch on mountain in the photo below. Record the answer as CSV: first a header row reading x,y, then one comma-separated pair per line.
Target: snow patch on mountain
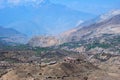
x,y
79,22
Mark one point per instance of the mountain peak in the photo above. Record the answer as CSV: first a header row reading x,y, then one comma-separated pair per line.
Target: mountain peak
x,y
109,15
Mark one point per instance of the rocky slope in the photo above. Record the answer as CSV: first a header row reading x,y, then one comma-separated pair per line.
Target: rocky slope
x,y
108,26
101,36
43,41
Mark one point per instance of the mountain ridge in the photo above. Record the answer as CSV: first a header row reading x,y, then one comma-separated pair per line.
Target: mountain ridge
x,y
96,29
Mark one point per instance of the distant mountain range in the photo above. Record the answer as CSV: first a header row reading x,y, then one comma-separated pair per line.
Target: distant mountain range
x,y
47,18
9,35
7,32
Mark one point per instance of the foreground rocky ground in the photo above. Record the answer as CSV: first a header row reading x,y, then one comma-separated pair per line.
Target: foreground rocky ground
x,y
96,68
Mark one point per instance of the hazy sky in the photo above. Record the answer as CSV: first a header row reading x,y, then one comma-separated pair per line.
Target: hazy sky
x,y
96,7
91,6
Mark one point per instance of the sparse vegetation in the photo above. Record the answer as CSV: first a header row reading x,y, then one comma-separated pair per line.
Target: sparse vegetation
x,y
97,44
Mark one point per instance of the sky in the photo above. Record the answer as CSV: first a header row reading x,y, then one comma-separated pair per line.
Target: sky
x,y
91,6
